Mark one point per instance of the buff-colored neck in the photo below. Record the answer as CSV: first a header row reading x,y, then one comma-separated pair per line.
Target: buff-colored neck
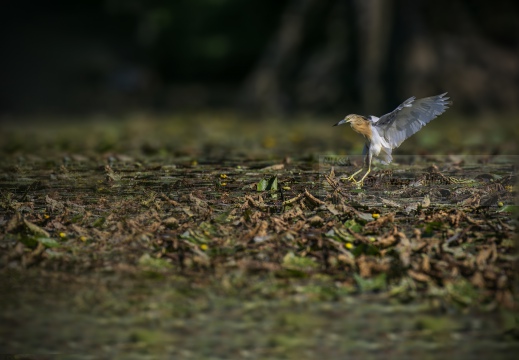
x,y
360,125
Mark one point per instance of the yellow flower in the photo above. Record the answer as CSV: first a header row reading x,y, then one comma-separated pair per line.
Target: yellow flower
x,y
500,204
62,235
204,247
348,245
83,238
375,216
223,184
46,216
223,176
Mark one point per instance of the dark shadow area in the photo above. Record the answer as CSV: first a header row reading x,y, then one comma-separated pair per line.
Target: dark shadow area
x,y
277,57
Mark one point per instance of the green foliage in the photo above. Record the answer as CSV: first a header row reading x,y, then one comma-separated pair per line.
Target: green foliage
x,y
298,265
371,284
431,227
99,222
353,225
513,209
463,292
35,229
151,263
49,242
365,249
32,241
270,184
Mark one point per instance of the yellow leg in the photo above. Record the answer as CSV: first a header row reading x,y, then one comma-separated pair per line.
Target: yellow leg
x,y
352,176
366,174
361,182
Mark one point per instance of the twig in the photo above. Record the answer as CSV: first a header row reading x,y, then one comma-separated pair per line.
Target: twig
x,y
458,235
313,198
293,200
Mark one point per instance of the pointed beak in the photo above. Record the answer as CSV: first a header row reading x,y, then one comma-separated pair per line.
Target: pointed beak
x,y
344,121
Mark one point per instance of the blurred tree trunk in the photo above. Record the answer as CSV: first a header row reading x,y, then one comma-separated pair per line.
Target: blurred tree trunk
x,y
374,19
281,79
324,75
264,88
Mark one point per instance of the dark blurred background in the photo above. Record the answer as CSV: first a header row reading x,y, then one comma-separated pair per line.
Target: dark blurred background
x,y
277,56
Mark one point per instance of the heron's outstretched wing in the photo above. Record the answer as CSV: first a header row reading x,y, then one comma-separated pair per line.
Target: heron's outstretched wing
x,y
410,117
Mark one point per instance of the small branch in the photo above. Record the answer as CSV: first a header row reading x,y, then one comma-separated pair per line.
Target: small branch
x,y
313,198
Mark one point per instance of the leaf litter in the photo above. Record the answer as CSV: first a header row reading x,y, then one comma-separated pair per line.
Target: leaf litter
x,y
186,218
425,234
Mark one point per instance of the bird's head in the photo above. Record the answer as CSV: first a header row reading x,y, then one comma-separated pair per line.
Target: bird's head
x,y
354,120
359,124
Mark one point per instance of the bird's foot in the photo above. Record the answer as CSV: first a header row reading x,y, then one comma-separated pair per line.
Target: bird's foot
x,y
357,183
352,177
349,178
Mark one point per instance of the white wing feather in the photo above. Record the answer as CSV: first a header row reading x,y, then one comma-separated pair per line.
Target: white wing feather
x,y
410,117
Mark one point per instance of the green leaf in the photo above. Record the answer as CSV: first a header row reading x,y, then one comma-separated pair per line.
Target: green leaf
x,y
262,185
513,209
462,292
357,190
353,225
431,227
293,262
29,241
270,184
207,227
149,262
222,217
365,249
35,229
371,284
273,183
48,242
98,222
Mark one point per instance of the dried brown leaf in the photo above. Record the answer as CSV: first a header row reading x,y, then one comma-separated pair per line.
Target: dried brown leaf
x,y
14,222
419,276
260,230
274,167
364,266
426,201
381,221
390,203
478,280
316,221
426,264
483,256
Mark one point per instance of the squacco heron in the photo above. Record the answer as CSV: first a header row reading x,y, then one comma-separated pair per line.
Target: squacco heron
x,y
386,133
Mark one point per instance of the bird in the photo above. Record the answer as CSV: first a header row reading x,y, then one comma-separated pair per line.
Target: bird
x,y
385,133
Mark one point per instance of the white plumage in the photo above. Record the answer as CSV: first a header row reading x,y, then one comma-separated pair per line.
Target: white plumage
x,y
389,131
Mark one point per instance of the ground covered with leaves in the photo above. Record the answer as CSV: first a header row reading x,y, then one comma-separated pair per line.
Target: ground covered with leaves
x,y
227,239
